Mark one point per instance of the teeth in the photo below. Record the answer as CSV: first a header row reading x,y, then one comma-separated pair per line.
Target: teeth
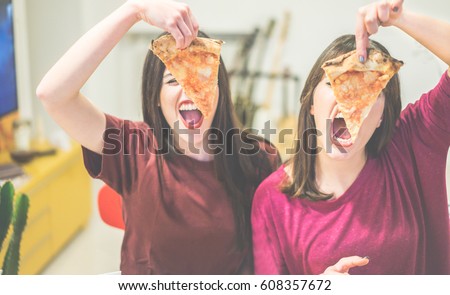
x,y
188,107
343,141
339,115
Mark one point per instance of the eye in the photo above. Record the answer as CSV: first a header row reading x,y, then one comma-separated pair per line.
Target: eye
x,y
172,82
328,83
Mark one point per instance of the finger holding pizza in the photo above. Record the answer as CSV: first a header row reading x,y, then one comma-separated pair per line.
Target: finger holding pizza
x,y
173,17
370,18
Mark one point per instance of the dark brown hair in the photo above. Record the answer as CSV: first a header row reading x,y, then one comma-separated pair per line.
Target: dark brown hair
x,y
303,183
240,173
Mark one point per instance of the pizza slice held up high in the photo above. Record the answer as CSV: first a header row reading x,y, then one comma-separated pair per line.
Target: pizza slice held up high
x,y
356,87
195,68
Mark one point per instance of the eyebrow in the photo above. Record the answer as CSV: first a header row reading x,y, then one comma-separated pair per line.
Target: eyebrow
x,y
167,75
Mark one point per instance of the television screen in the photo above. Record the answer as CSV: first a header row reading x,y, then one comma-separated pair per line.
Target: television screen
x,y
8,87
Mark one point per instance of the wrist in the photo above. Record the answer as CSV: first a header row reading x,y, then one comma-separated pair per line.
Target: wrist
x,y
134,7
402,21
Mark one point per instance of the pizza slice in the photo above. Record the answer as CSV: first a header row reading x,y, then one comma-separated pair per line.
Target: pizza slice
x,y
357,86
195,68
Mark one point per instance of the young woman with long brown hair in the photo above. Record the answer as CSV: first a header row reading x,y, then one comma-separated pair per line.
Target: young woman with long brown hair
x,y
379,205
186,197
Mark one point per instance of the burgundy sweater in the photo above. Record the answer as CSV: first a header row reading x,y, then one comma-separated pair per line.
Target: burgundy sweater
x,y
395,212
185,226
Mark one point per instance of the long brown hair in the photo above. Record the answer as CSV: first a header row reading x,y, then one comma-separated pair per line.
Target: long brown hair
x,y
239,172
303,183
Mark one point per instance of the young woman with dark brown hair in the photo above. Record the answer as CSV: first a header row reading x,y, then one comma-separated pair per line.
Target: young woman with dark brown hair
x,y
332,207
186,196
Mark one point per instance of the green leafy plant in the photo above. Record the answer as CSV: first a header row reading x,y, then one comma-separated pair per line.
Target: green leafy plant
x,y
17,219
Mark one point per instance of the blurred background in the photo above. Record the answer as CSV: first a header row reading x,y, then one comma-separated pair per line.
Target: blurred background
x,y
270,48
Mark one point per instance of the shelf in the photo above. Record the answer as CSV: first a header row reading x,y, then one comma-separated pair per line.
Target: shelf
x,y
59,189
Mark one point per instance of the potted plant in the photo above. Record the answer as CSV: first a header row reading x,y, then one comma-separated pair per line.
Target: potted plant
x,y
12,214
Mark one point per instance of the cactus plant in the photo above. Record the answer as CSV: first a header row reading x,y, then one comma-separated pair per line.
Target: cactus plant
x,y
18,219
6,210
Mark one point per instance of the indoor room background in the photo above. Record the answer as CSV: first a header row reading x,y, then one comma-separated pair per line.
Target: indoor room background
x,y
45,29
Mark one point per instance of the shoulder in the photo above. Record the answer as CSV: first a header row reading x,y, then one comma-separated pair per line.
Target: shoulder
x,y
270,152
134,137
123,130
123,124
268,147
426,121
268,192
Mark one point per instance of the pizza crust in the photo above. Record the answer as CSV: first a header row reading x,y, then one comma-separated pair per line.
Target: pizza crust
x,y
195,68
357,85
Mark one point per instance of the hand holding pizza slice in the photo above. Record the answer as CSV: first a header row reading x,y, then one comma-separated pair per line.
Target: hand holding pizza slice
x,y
357,85
195,68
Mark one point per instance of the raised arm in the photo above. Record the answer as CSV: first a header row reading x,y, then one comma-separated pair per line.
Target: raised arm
x,y
432,33
59,90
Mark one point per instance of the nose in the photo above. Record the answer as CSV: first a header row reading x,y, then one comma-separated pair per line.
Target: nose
x,y
334,110
183,94
180,94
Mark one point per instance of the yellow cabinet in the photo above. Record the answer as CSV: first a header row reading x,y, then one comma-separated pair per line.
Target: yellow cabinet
x,y
60,205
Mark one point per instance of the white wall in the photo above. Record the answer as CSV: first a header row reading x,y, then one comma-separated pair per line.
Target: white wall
x,y
22,59
52,26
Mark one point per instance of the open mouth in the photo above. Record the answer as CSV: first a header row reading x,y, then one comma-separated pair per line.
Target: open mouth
x,y
191,117
340,134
